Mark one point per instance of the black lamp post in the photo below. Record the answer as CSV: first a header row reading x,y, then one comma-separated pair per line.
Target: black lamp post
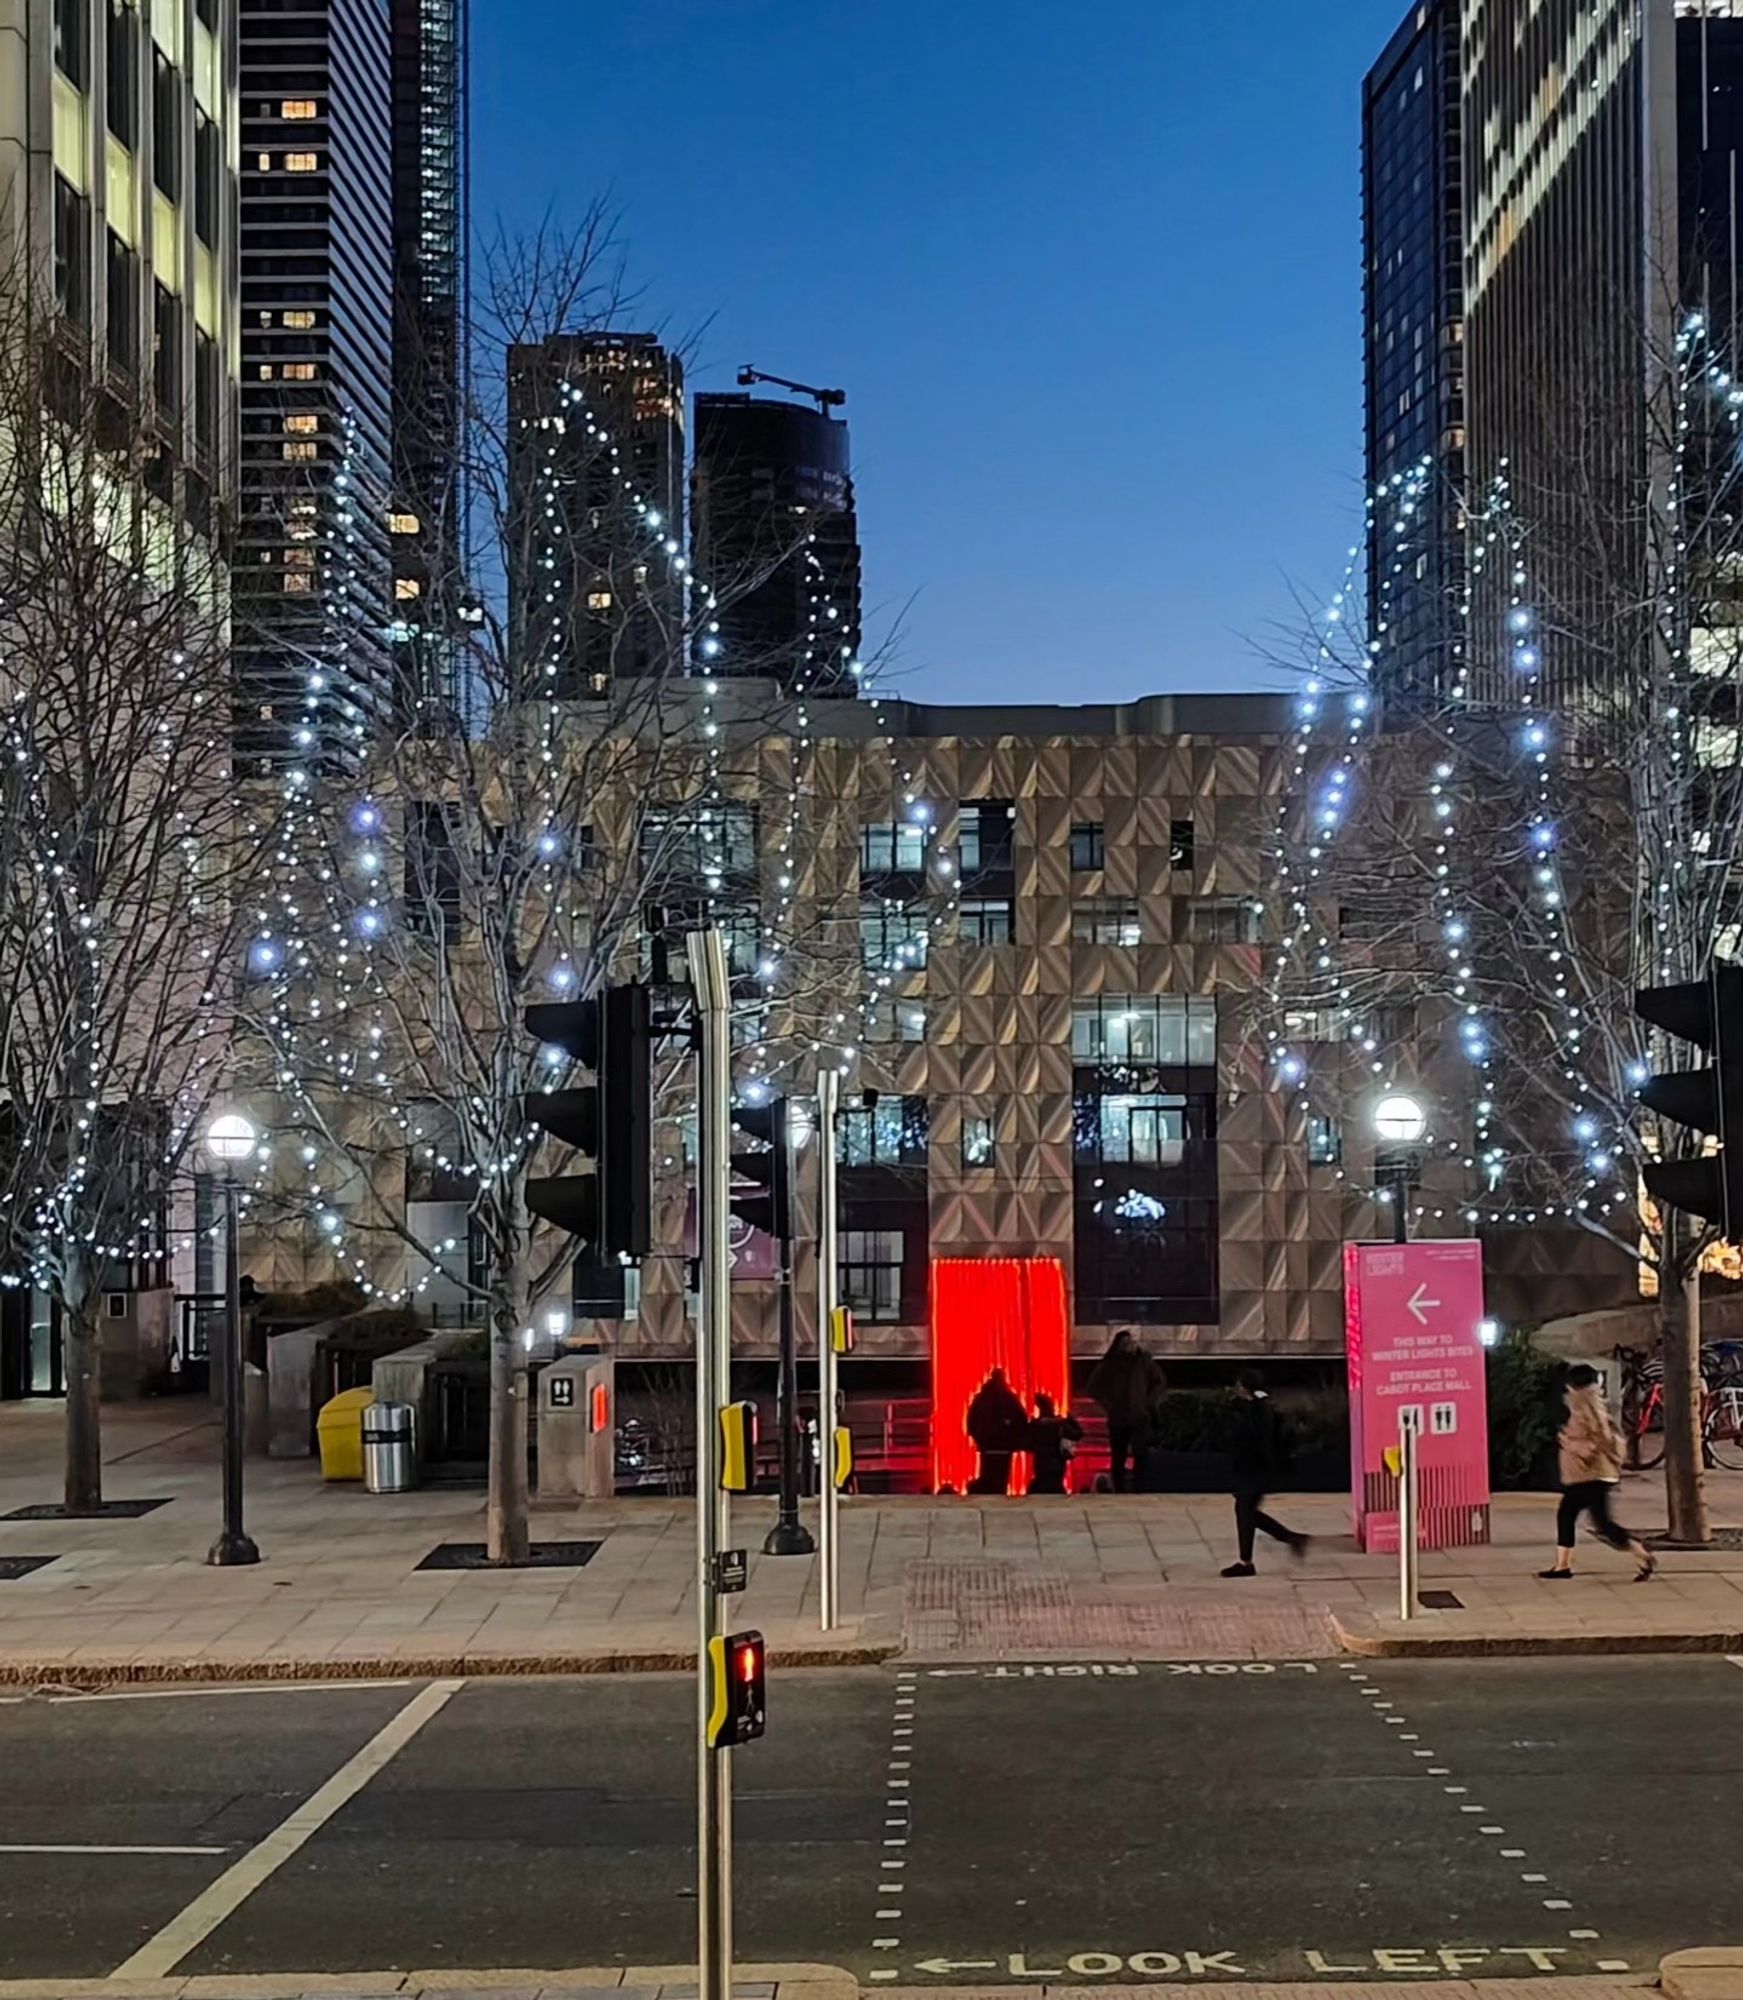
x,y
1398,1121
231,1140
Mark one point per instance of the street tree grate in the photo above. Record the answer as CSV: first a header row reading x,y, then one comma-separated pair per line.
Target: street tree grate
x,y
105,1510
12,1568
542,1555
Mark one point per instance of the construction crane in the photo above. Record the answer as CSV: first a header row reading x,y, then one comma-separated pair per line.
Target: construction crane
x,y
825,399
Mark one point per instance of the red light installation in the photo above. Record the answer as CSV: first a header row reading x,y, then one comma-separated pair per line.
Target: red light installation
x,y
987,1313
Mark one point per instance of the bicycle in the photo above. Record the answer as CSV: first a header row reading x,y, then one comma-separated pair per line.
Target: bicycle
x,y
1721,1406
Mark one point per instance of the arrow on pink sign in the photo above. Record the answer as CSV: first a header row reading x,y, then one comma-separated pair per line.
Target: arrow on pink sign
x,y
1419,1304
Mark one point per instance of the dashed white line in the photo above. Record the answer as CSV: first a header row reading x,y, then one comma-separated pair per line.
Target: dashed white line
x,y
1385,1710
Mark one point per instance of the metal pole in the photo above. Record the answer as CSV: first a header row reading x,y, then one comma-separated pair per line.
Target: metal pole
x,y
708,981
232,1549
1407,1531
789,1536
828,1298
1401,1206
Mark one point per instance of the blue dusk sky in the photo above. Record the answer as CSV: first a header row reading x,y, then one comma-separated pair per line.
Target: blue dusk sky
x,y
1090,276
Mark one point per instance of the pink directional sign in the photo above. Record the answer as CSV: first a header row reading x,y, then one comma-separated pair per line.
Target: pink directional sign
x,y
1413,1316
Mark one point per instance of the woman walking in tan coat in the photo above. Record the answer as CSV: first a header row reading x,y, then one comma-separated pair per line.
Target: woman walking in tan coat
x,y
1591,1470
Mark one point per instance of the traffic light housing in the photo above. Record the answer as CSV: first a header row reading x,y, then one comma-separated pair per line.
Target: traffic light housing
x,y
738,1447
1707,1013
738,1704
609,1122
841,1329
759,1178
842,1469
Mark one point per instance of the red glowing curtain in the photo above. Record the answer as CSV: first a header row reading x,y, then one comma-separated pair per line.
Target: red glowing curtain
x,y
987,1313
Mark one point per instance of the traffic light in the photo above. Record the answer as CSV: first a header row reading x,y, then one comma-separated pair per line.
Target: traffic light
x,y
759,1179
841,1329
738,1708
609,1122
1709,1014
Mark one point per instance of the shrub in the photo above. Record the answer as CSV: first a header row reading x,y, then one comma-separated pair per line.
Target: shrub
x,y
1525,1387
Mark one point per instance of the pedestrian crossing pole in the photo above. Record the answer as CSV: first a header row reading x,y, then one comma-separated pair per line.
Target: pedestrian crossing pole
x,y
709,983
828,1366
1409,1534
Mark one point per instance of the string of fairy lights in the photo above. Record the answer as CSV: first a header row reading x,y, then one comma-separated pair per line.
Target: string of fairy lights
x,y
1339,765
326,946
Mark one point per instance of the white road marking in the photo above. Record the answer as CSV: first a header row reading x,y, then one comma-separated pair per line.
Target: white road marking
x,y
58,1847
158,1957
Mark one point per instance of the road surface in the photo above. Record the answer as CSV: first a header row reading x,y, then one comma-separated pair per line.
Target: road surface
x,y
1103,1825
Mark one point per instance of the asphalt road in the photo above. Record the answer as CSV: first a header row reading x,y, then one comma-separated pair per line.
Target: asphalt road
x,y
1104,1825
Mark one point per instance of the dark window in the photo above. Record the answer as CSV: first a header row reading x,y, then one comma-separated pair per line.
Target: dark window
x,y
1087,850
206,395
979,1141
72,253
985,833
208,178
1223,920
890,847
701,845
869,1263
70,54
1106,922
891,1133
985,920
1132,1129
1325,1144
166,126
1121,1029
1180,844
893,940
166,371
123,90
432,871
123,299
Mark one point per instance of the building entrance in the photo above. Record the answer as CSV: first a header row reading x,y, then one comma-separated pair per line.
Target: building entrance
x,y
30,1345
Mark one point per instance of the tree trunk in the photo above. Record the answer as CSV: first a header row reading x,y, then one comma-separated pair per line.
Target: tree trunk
x,y
506,1508
81,1359
1679,1324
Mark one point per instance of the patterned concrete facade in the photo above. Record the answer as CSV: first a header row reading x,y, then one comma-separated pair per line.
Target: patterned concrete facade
x,y
998,1017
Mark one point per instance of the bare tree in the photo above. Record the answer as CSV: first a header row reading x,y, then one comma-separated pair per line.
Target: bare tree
x,y
541,818
126,858
1556,823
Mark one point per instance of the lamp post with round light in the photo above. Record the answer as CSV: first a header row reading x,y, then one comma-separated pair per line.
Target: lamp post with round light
x,y
231,1140
1398,1121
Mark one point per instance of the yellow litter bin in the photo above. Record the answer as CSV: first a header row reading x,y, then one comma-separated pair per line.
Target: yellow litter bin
x,y
340,1430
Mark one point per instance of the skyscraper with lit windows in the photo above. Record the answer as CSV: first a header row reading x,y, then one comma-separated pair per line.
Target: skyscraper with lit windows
x,y
1413,295
313,572
117,149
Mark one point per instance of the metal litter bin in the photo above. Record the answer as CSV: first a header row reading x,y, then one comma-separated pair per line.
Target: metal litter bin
x,y
390,1462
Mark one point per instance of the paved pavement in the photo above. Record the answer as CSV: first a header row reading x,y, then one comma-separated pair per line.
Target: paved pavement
x,y
1071,1823
340,1590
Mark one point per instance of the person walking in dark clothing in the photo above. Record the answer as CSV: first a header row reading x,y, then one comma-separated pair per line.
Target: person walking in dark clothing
x,y
1127,1383
1052,1441
1255,1454
1591,1470
998,1426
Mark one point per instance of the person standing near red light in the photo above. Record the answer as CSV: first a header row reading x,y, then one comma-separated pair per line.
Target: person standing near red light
x,y
998,1427
1127,1384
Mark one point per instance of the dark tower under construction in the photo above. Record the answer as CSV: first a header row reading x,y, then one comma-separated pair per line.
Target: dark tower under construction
x,y
776,536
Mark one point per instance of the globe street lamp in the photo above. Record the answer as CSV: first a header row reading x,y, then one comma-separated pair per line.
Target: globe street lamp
x,y
1399,1121
231,1140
